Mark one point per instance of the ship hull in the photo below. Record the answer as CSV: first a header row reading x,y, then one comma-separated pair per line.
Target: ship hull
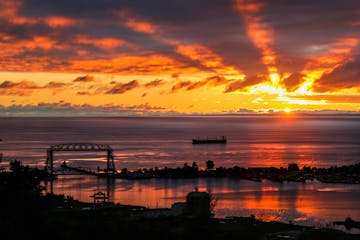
x,y
208,141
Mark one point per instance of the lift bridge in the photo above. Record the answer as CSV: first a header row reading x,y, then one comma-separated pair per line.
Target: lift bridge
x,y
81,147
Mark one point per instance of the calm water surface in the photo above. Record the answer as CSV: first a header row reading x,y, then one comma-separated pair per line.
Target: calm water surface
x,y
319,141
158,142
311,203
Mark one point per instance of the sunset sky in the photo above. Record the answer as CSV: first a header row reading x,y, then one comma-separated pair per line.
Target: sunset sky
x,y
127,57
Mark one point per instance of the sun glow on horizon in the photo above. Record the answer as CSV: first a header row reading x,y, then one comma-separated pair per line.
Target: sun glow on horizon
x,y
287,110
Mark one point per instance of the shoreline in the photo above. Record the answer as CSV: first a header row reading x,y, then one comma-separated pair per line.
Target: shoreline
x,y
348,174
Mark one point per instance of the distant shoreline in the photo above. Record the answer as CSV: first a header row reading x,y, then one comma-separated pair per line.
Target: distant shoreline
x,y
349,174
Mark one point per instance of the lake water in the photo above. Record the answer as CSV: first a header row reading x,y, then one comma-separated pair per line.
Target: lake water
x,y
319,141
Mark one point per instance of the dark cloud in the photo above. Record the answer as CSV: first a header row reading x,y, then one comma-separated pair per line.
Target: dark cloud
x,y
344,76
55,85
19,85
293,81
86,78
239,85
175,75
211,81
180,85
303,28
154,83
26,88
84,93
121,88
246,111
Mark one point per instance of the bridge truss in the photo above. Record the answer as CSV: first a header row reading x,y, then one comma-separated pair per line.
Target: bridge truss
x,y
81,147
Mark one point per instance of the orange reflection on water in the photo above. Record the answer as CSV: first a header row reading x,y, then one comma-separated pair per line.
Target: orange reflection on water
x,y
298,202
278,155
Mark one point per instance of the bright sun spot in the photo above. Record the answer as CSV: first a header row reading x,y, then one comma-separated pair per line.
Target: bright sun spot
x,y
287,110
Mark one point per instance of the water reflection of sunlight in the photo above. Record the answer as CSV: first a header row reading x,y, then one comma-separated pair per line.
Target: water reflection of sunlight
x,y
280,155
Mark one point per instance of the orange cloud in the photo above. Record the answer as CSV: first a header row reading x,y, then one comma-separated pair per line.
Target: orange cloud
x,y
207,58
140,26
60,21
23,20
135,24
105,43
261,34
146,65
40,42
8,9
9,12
13,48
195,52
200,53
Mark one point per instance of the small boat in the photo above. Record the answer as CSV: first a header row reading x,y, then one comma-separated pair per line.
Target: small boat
x,y
198,140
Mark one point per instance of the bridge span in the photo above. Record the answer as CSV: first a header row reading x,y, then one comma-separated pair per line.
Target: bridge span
x,y
81,147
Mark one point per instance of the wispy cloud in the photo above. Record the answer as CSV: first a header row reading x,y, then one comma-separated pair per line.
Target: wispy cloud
x,y
68,109
154,83
86,78
180,85
56,85
22,84
121,88
189,85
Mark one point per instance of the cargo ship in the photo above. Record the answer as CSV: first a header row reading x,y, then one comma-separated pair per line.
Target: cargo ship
x,y
207,140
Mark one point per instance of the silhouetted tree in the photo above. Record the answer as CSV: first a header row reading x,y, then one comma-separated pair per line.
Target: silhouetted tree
x,y
209,165
16,166
293,167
